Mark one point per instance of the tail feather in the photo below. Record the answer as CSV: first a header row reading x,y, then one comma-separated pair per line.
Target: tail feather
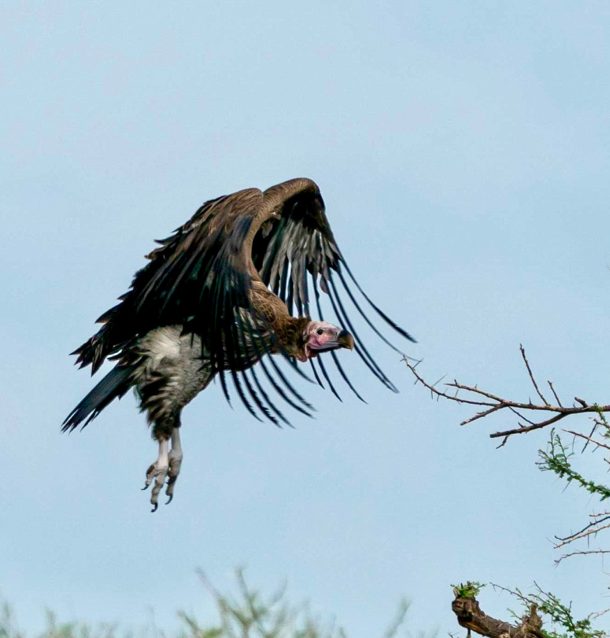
x,y
114,385
94,350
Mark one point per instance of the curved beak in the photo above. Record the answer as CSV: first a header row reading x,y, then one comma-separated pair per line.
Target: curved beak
x,y
345,340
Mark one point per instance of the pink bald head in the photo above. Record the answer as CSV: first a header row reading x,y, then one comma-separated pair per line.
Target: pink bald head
x,y
321,336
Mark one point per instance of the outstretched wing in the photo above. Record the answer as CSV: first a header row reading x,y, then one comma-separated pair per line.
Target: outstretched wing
x,y
198,269
202,277
295,246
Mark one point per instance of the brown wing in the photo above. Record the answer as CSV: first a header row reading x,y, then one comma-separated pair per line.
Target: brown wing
x,y
182,281
201,277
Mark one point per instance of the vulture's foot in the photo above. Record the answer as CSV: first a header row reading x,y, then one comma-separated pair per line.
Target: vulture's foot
x,y
157,471
167,466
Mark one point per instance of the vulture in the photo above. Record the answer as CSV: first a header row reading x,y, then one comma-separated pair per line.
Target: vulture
x,y
227,290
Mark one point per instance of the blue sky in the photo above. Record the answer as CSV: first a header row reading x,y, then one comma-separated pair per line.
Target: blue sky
x,y
462,150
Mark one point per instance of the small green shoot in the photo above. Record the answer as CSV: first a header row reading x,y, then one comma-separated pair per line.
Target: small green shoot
x,y
469,589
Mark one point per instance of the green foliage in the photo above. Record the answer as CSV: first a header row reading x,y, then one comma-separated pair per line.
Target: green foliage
x,y
248,614
469,589
252,615
560,615
56,629
556,459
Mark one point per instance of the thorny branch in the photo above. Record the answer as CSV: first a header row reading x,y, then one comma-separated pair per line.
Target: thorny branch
x,y
491,403
598,523
582,552
531,416
560,614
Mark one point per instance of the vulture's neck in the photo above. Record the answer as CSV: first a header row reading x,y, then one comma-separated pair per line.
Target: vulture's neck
x,y
289,332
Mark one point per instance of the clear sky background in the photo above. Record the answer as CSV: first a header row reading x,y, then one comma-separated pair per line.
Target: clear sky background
x,y
463,153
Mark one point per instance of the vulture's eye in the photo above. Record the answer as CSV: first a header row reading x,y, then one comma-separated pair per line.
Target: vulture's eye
x,y
320,331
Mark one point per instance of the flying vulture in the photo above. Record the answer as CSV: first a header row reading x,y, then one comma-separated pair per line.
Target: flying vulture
x,y
228,288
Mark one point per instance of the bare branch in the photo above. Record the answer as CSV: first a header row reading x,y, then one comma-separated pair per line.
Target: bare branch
x,y
434,390
522,429
529,371
588,438
554,393
591,529
521,416
492,403
476,390
584,552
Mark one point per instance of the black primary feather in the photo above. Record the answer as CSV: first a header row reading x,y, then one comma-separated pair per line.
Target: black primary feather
x,y
298,242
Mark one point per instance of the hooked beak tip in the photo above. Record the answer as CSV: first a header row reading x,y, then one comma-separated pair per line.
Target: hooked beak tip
x,y
345,340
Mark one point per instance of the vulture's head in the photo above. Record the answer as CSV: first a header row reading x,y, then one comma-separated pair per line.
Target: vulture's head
x,y
321,336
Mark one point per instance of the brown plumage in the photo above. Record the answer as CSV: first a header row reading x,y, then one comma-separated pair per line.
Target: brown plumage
x,y
218,297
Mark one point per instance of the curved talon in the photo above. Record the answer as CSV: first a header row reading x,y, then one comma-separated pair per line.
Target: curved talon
x,y
146,486
155,506
170,499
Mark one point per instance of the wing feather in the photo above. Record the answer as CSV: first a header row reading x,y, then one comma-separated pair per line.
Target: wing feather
x,y
195,278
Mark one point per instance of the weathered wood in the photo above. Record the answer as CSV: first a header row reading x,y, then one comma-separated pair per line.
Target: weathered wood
x,y
470,615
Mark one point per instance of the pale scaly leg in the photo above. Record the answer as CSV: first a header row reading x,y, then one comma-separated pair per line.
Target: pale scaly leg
x,y
158,471
175,461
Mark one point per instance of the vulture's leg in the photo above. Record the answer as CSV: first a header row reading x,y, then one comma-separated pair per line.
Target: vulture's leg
x,y
175,461
162,431
158,472
172,372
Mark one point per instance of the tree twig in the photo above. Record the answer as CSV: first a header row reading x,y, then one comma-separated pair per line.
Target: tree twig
x,y
529,371
583,552
490,402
